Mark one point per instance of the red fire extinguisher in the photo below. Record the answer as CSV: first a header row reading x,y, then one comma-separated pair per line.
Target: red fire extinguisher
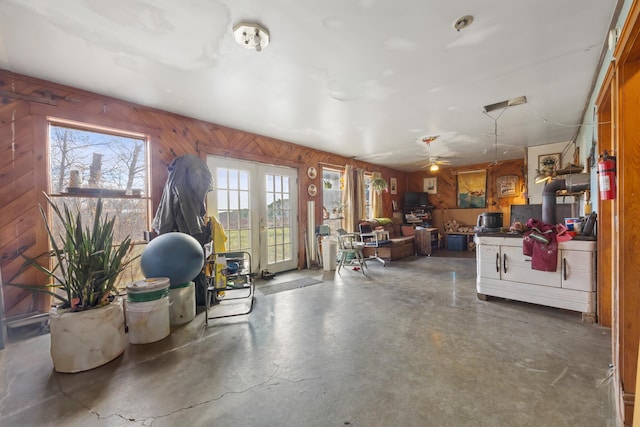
x,y
607,176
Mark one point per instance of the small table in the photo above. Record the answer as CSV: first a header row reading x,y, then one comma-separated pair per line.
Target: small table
x,y
423,244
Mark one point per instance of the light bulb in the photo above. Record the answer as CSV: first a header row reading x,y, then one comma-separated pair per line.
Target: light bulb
x,y
434,167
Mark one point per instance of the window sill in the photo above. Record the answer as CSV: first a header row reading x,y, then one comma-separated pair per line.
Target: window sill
x,y
96,194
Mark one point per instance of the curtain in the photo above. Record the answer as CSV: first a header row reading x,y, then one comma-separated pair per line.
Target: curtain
x,y
360,210
348,200
375,199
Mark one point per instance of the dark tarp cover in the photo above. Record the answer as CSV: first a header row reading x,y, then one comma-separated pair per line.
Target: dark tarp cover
x,y
182,206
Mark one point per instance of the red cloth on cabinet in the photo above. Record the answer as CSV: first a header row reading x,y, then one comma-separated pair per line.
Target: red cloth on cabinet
x,y
541,244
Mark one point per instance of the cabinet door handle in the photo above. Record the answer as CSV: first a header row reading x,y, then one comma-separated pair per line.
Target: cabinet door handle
x,y
497,262
504,263
564,268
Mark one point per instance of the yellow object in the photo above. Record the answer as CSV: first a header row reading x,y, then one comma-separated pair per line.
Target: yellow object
x,y
219,238
587,203
218,235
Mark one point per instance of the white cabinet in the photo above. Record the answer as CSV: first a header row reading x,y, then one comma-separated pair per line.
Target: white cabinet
x,y
578,270
503,271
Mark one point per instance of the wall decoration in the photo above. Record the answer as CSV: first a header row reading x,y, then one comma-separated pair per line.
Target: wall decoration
x,y
507,186
549,163
312,190
312,173
430,185
393,185
472,189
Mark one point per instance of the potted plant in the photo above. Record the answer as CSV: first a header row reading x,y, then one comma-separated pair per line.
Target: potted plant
x,y
379,184
88,326
338,209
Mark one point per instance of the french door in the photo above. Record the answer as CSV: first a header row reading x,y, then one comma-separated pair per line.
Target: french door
x,y
257,205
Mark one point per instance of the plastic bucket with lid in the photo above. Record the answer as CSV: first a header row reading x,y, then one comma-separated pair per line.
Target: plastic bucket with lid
x,y
183,303
147,310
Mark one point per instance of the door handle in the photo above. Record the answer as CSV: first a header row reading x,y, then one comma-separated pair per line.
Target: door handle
x,y
504,263
497,262
564,268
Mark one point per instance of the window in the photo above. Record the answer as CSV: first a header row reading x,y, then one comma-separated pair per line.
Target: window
x,y
332,208
234,212
332,189
86,162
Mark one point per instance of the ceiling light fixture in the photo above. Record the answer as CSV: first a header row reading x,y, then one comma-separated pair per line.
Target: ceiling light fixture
x,y
434,168
251,35
463,22
504,104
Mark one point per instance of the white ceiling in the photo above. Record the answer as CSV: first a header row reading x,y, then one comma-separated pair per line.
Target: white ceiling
x,y
362,78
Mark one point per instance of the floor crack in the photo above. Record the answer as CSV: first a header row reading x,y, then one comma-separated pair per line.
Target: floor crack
x,y
267,381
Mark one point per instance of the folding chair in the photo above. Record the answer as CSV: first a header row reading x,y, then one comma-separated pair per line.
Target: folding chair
x,y
374,239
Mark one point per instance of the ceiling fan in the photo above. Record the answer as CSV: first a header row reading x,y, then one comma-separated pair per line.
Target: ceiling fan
x,y
435,163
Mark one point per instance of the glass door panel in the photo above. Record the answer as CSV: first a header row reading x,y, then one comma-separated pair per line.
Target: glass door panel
x,y
280,211
257,205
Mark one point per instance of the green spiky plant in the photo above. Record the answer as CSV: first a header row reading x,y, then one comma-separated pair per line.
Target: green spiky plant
x,y
87,262
379,184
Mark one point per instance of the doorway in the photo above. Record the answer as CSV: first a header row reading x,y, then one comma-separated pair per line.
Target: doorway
x,y
257,204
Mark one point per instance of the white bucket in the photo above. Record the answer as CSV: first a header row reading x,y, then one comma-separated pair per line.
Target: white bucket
x,y
147,310
183,304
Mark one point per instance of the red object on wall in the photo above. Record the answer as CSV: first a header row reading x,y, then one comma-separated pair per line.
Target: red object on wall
x,y
607,177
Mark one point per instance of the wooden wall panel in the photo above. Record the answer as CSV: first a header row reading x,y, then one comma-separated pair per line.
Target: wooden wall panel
x,y
623,232
604,209
446,198
628,162
25,105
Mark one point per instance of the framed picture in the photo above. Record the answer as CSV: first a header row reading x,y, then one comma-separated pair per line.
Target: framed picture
x,y
393,186
431,185
507,185
472,189
549,163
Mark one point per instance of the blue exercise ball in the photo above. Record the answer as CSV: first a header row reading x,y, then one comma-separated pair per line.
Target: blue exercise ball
x,y
175,255
232,267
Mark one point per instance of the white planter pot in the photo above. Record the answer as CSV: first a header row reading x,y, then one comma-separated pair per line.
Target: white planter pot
x,y
86,339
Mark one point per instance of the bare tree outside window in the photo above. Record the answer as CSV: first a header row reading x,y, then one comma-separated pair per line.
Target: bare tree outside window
x,y
87,163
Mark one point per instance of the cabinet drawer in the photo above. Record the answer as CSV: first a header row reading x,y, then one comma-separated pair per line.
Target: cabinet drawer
x,y
516,267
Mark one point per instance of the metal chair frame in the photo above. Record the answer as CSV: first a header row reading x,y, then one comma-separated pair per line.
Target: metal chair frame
x,y
350,243
374,239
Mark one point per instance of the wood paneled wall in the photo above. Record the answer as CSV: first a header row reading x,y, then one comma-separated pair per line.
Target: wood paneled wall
x,y
28,102
605,209
618,234
446,198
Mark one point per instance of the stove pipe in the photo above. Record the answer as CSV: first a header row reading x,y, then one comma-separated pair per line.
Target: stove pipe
x,y
573,182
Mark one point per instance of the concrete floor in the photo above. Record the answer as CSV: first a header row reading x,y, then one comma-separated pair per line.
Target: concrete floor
x,y
407,345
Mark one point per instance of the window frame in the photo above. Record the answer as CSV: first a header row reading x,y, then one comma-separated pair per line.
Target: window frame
x,y
91,196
